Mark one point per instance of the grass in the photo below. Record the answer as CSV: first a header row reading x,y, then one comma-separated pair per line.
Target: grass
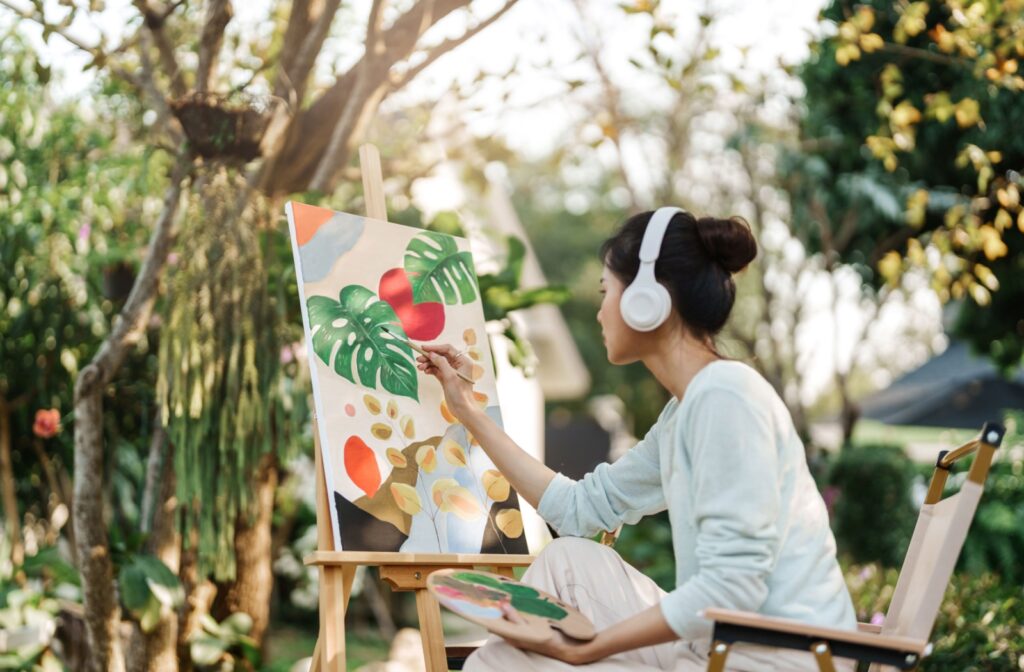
x,y
286,645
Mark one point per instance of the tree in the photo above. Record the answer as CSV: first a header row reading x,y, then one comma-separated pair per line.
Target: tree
x,y
917,104
276,134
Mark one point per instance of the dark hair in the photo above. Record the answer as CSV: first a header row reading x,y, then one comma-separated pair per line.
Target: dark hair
x,y
696,263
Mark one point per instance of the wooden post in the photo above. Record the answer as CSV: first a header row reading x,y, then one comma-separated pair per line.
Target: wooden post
x,y
404,571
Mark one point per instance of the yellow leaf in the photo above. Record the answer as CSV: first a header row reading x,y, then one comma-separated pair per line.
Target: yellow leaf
x,y
426,458
406,497
864,19
371,403
889,266
1009,197
469,337
392,409
446,414
396,457
495,485
437,491
992,243
408,427
461,502
510,521
1020,221
905,114
1003,220
380,430
968,113
871,42
454,453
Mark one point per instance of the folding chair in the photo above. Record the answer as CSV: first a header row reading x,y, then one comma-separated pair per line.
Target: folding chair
x,y
902,640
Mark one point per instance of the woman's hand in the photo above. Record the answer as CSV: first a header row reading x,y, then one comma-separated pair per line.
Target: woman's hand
x,y
443,363
559,647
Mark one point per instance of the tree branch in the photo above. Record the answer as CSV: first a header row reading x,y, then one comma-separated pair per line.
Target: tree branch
x,y
303,150
154,21
102,613
218,13
923,54
446,46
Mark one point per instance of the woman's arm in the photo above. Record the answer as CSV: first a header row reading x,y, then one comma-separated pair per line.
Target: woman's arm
x,y
529,476
611,495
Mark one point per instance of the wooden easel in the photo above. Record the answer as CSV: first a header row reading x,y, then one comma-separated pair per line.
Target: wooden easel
x,y
403,571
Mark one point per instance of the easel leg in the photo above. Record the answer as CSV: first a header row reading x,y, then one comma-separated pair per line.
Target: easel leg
x,y
429,613
505,570
335,589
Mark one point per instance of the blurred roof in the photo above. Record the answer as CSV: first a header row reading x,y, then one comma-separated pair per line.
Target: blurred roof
x,y
953,389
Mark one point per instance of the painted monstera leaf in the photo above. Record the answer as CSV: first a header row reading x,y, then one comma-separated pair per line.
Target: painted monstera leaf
x,y
347,337
438,271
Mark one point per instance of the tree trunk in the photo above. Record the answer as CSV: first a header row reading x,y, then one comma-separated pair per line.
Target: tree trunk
x,y
11,515
254,577
157,651
102,611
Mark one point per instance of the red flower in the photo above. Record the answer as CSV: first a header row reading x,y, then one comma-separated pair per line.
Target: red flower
x,y
47,423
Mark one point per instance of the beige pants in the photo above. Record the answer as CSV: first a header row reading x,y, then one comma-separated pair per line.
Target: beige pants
x,y
597,581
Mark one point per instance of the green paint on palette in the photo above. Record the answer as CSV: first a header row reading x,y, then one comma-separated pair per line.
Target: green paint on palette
x,y
524,598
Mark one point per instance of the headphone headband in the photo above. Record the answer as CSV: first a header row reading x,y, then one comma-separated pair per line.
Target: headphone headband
x,y
650,248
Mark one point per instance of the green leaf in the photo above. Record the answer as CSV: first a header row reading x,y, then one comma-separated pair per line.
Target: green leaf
x,y
239,622
349,331
150,616
437,269
206,650
131,581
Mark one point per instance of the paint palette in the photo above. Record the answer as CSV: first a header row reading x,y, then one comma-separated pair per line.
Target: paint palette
x,y
485,598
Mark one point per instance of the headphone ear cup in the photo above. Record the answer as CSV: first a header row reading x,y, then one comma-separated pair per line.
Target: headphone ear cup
x,y
645,306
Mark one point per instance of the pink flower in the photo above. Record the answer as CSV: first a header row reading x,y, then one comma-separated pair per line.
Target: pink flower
x,y
47,423
878,618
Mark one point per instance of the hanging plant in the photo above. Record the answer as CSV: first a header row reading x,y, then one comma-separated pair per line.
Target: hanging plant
x,y
223,396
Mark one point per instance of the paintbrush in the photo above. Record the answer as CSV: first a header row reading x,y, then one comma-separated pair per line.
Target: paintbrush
x,y
423,352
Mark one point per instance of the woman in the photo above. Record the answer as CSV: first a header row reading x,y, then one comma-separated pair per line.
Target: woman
x,y
749,529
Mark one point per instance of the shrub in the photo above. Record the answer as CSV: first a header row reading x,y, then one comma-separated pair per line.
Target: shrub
x,y
873,515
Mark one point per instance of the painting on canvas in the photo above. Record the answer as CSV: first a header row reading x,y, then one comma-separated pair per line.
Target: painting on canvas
x,y
402,473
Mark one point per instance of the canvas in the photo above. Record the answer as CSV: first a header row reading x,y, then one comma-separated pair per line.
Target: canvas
x,y
403,474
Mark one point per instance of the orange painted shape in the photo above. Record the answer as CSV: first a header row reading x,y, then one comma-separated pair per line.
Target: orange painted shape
x,y
308,219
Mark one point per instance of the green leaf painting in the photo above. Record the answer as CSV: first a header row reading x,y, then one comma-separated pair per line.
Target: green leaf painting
x,y
438,271
347,337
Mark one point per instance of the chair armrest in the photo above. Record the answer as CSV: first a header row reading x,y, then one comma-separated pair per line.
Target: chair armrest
x,y
743,626
869,627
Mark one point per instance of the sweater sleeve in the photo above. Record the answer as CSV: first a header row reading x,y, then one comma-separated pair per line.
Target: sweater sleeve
x,y
736,502
613,494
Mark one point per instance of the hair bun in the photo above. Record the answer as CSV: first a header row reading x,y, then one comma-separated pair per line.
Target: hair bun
x,y
728,242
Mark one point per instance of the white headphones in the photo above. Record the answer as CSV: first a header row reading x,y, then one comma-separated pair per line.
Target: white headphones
x,y
646,304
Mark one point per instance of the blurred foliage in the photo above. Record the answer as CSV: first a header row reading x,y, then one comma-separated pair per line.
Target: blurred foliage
x,y
29,604
909,147
873,515
74,202
225,646
979,626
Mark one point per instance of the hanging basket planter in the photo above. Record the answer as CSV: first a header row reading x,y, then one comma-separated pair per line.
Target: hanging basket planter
x,y
224,127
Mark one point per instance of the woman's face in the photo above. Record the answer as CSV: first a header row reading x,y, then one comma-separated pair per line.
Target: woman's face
x,y
619,339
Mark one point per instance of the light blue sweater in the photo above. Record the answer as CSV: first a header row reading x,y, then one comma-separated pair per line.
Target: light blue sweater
x,y
749,529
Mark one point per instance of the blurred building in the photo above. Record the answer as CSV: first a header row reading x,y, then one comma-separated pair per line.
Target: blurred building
x,y
954,389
